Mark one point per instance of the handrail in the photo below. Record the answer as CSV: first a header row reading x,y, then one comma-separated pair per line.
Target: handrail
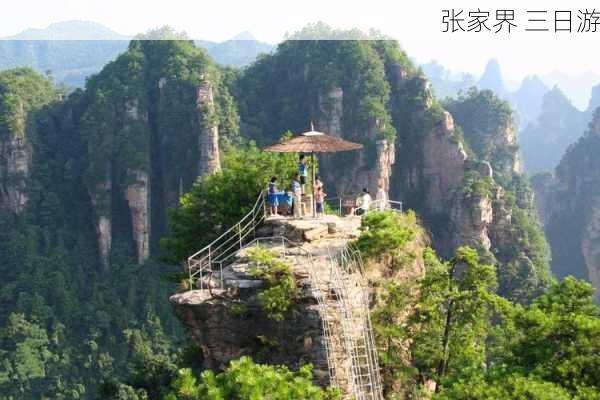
x,y
337,204
233,239
376,205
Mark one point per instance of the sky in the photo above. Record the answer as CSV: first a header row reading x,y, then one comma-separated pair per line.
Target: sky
x,y
416,24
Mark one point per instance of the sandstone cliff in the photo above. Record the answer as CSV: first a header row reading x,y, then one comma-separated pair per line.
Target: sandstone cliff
x,y
23,93
572,208
469,194
149,138
15,162
365,168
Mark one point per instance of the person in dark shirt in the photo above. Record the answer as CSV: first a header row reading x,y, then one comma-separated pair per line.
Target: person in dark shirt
x,y
303,172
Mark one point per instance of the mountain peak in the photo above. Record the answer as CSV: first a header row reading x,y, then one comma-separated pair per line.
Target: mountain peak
x,y
245,35
492,78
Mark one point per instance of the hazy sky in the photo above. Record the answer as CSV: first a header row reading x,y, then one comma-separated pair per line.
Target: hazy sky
x,y
416,24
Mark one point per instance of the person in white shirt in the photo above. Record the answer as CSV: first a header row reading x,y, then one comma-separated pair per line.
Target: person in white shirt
x,y
363,202
381,197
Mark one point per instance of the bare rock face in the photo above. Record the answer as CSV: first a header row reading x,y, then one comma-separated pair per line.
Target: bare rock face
x,y
224,334
365,172
472,218
15,162
332,106
507,139
101,201
208,136
443,165
104,232
570,208
138,198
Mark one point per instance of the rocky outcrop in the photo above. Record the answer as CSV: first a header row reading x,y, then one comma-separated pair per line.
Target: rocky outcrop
x,y
571,209
208,136
331,107
367,167
137,195
504,150
443,165
227,323
101,197
15,162
472,219
151,131
228,327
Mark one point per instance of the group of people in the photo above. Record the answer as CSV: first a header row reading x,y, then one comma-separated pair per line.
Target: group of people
x,y
297,192
363,203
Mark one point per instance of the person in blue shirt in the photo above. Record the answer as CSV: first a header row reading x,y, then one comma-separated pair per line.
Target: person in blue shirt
x,y
303,172
273,202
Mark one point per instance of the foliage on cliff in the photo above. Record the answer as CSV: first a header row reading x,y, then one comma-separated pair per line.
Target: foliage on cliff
x,y
217,202
450,331
22,93
308,70
520,248
281,287
572,200
63,319
145,102
484,118
245,380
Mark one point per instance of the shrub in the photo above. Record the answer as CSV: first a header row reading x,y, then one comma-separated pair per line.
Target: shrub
x,y
282,288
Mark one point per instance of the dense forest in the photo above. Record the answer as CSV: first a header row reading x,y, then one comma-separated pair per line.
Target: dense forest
x,y
90,253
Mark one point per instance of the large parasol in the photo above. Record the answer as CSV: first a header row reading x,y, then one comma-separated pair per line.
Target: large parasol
x,y
312,142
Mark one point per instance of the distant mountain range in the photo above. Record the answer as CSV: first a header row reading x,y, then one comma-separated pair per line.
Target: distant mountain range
x,y
69,30
553,110
73,50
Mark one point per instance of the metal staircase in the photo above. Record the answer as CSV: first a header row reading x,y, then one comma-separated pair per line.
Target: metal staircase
x,y
352,302
337,283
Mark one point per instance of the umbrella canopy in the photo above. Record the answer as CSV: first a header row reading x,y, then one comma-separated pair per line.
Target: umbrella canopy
x,y
313,142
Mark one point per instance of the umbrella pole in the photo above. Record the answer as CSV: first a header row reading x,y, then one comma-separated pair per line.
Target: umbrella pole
x,y
314,204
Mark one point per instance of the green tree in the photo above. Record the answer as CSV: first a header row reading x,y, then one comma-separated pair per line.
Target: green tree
x,y
218,201
24,354
558,337
245,380
453,316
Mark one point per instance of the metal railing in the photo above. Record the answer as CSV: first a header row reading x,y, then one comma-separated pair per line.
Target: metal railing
x,y
337,205
204,262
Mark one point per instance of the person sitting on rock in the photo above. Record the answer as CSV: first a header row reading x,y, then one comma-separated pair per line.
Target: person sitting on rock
x,y
363,202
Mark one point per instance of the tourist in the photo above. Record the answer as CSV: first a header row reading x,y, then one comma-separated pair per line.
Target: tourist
x,y
363,202
318,183
303,172
319,201
381,196
297,196
273,202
